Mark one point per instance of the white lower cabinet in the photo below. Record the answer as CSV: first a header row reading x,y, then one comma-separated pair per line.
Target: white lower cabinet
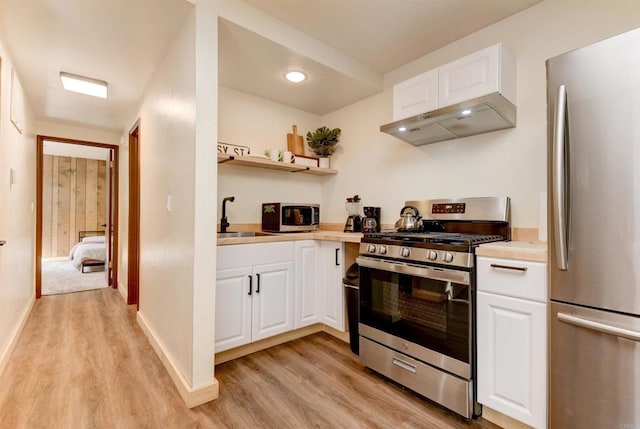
x,y
512,340
332,273
254,293
272,309
308,293
271,288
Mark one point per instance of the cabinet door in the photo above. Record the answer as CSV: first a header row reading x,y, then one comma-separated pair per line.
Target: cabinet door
x,y
233,308
512,356
332,257
416,95
307,296
472,76
272,300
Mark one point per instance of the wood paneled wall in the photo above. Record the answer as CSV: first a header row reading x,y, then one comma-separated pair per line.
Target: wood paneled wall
x,y
73,199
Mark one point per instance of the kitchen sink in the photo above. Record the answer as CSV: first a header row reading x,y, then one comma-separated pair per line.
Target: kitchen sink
x,y
242,234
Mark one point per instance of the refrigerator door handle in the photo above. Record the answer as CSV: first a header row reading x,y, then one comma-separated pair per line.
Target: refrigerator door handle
x,y
599,326
559,172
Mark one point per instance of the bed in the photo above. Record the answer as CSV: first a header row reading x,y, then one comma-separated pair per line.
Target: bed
x,y
90,251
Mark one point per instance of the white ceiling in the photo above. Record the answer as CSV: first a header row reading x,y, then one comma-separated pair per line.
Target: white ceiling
x,y
122,42
119,41
387,34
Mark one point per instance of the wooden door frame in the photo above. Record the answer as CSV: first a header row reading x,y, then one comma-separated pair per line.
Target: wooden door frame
x,y
133,247
39,183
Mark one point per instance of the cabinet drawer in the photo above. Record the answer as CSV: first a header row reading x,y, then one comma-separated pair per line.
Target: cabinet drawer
x,y
520,279
242,255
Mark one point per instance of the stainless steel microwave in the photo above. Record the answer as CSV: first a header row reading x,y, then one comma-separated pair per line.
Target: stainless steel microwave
x,y
290,217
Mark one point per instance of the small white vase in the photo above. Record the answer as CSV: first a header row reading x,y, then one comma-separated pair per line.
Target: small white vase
x,y
324,162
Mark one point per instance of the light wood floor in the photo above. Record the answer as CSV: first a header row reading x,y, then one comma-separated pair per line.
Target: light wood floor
x,y
82,362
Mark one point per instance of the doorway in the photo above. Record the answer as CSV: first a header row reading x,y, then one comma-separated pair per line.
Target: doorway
x,y
133,245
75,226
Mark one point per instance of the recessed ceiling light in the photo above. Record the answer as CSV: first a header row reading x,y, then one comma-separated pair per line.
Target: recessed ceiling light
x,y
401,129
84,85
466,112
295,76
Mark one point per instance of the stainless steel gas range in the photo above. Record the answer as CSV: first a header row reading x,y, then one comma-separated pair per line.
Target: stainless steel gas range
x,y
418,294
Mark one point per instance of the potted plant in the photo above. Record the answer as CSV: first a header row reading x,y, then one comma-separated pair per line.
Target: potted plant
x,y
323,142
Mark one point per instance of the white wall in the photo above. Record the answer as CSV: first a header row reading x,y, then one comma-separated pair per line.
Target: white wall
x,y
76,132
386,171
166,145
17,214
177,245
261,125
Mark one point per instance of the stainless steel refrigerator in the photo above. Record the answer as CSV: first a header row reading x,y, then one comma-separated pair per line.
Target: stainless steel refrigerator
x,y
594,235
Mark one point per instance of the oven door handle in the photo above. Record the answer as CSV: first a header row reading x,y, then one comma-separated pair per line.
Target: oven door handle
x,y
461,277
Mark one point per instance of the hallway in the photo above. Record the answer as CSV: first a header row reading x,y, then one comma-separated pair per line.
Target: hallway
x,y
82,362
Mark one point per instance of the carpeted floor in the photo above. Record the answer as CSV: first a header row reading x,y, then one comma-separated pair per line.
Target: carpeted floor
x,y
60,276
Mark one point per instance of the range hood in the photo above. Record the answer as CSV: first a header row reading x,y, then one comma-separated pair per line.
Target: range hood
x,y
480,115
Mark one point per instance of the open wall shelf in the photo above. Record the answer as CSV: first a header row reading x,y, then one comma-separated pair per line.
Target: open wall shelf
x,y
249,161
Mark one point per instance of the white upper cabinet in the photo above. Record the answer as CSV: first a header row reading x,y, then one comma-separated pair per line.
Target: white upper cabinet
x,y
416,95
484,72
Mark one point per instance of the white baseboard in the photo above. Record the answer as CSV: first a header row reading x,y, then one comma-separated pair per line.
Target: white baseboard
x,y
191,397
13,340
123,291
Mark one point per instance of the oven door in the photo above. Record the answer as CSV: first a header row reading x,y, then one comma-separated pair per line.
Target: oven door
x,y
421,311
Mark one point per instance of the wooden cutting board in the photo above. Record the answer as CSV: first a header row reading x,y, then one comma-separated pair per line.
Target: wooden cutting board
x,y
295,143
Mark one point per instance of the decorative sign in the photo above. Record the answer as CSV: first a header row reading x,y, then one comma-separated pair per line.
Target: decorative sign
x,y
232,149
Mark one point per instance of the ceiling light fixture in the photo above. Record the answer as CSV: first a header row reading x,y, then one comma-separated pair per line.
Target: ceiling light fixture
x,y
295,76
84,85
466,112
402,129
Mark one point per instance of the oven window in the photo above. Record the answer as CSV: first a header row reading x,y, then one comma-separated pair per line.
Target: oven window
x,y
431,313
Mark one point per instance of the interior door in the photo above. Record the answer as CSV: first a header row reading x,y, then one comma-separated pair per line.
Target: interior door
x,y
108,225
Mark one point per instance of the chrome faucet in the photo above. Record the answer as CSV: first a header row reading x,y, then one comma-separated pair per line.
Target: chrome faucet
x,y
224,222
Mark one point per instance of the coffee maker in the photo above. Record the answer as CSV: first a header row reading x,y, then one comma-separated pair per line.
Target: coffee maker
x,y
371,221
354,220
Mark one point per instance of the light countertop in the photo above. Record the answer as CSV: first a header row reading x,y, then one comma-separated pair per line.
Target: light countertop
x,y
346,237
521,250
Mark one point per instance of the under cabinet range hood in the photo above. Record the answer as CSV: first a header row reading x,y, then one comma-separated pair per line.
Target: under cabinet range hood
x,y
480,115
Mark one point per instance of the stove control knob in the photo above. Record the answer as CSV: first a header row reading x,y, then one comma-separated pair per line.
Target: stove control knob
x,y
382,250
371,248
432,255
448,257
405,251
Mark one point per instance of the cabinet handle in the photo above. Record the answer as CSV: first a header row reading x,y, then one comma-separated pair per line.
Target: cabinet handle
x,y
337,261
250,285
508,267
258,286
404,365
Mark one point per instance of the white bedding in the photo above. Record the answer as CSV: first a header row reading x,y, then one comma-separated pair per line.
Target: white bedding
x,y
85,251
